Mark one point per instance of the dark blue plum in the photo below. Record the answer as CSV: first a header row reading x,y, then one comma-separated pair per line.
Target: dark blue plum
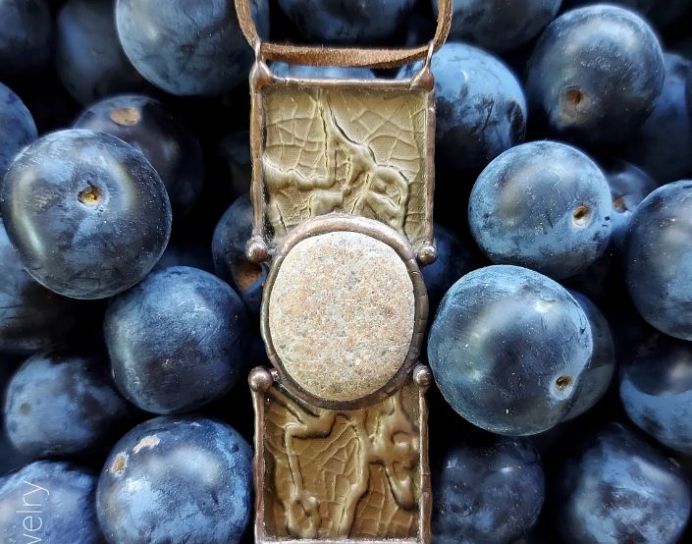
x,y
281,69
661,13
629,185
187,47
453,261
176,480
169,146
498,25
49,501
595,73
481,109
17,127
621,490
89,59
10,458
656,391
347,22
228,247
508,349
490,490
662,144
25,38
32,318
543,205
61,405
176,340
598,375
658,259
87,212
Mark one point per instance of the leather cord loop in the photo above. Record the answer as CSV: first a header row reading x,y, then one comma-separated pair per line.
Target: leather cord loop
x,y
341,56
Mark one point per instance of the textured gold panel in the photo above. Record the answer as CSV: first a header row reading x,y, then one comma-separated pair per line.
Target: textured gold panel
x,y
342,474
357,150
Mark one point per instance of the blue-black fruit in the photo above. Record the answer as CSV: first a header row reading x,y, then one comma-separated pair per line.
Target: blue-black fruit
x,y
595,73
228,247
49,501
188,48
452,262
661,13
489,490
281,69
656,391
167,144
89,59
508,349
543,205
26,36
61,405
32,318
599,373
498,25
347,22
87,213
629,185
658,259
17,127
481,109
176,480
620,490
176,340
662,144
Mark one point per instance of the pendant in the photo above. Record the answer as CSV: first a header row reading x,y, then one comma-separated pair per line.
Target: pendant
x,y
342,192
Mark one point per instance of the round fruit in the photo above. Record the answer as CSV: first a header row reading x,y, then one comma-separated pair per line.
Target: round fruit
x,y
508,349
176,480
87,213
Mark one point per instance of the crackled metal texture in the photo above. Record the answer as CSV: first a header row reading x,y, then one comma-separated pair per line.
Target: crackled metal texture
x,y
353,149
342,474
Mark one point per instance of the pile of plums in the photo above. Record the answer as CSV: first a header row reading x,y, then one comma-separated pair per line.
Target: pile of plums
x,y
560,336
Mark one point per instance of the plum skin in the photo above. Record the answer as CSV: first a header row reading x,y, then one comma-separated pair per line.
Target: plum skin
x,y
508,348
87,212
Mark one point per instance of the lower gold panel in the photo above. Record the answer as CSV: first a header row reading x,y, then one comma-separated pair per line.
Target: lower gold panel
x,y
328,475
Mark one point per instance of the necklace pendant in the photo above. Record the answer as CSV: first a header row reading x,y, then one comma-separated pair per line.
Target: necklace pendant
x,y
342,193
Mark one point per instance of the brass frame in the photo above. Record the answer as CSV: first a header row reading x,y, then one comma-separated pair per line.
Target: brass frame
x,y
261,380
348,223
261,77
260,247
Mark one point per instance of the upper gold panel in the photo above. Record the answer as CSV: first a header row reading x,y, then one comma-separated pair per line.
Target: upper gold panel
x,y
337,146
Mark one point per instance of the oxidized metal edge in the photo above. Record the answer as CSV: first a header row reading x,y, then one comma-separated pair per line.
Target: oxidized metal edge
x,y
261,380
258,248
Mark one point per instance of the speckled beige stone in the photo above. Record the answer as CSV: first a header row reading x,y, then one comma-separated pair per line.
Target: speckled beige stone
x,y
341,315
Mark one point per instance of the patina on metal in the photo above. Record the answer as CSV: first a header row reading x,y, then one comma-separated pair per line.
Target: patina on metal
x,y
342,192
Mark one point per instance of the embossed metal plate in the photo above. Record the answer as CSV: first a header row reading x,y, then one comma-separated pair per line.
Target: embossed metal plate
x,y
324,146
328,475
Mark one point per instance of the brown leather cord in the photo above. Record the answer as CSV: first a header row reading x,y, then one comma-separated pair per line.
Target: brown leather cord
x,y
341,56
